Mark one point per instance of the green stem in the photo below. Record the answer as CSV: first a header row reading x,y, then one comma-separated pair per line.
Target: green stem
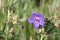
x,y
42,37
4,27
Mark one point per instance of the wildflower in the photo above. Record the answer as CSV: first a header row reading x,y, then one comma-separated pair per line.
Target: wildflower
x,y
15,19
57,24
36,19
14,22
11,31
58,17
56,8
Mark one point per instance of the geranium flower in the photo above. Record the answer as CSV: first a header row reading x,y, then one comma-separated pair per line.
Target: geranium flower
x,y
36,19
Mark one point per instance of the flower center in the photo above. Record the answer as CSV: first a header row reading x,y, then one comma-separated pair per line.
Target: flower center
x,y
37,19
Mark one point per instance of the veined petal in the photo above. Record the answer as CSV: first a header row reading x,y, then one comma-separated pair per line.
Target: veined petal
x,y
36,25
30,19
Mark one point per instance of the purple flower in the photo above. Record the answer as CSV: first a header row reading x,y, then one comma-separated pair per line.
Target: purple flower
x,y
36,19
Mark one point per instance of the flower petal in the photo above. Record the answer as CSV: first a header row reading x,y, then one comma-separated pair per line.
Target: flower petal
x,y
34,13
42,22
30,19
36,25
40,16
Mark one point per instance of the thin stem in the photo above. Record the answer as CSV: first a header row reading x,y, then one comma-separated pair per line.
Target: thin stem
x,y
42,37
4,27
0,3
8,15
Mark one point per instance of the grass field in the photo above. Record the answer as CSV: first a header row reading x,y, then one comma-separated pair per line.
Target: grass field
x,y
14,16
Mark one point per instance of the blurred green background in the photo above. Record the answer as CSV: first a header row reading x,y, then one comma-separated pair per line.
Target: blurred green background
x,y
14,18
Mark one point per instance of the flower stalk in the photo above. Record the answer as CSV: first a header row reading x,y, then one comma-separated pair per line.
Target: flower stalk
x,y
42,37
42,33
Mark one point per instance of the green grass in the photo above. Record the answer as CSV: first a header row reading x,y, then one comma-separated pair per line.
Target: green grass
x,y
22,30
